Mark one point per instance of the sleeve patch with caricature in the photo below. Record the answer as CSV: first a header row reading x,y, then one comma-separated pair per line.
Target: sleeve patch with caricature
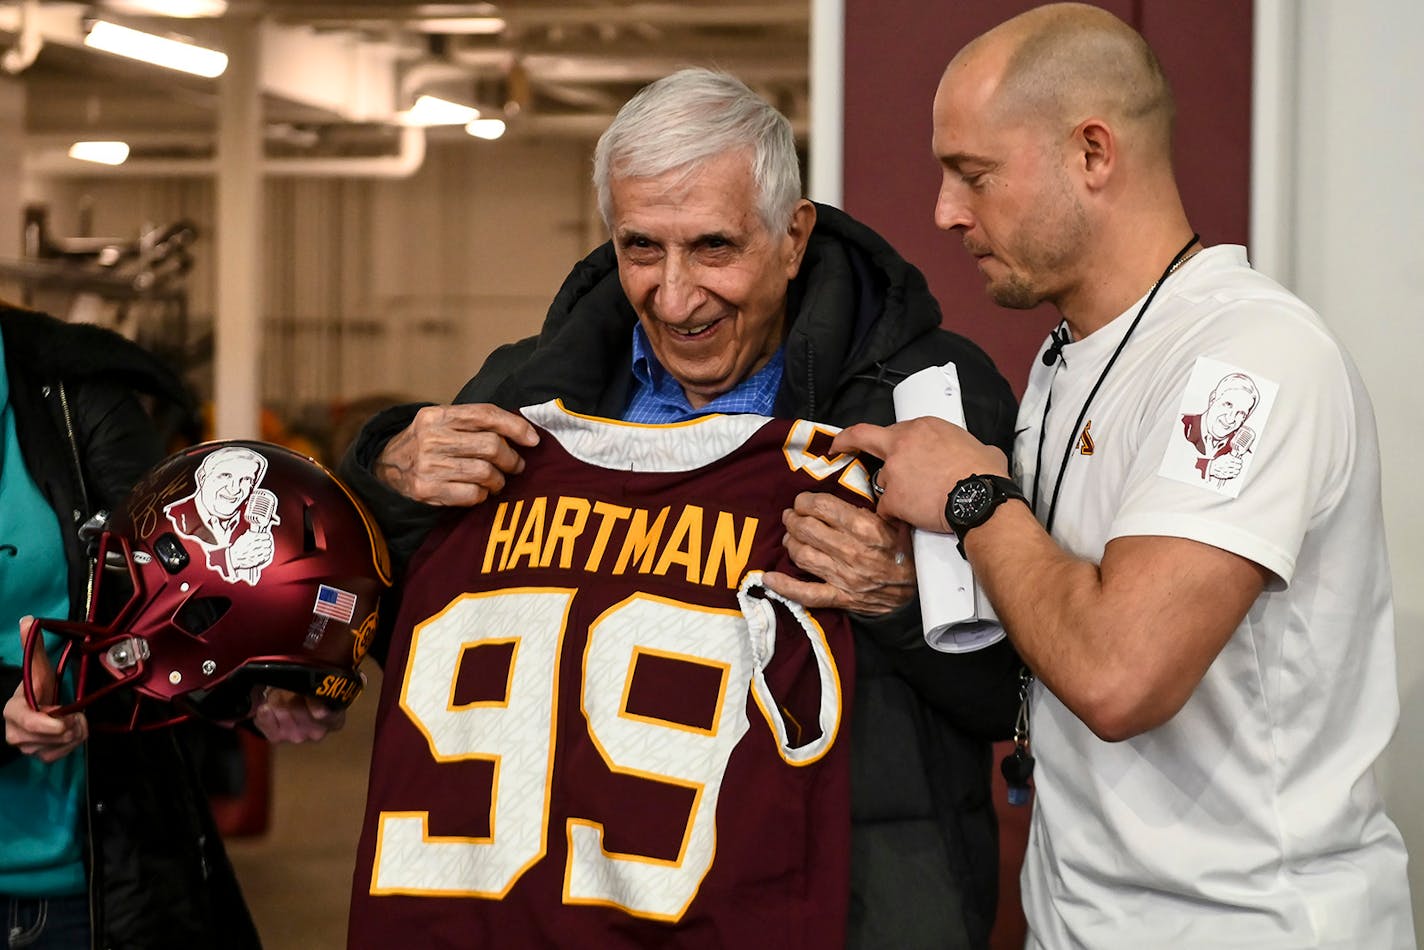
x,y
1219,428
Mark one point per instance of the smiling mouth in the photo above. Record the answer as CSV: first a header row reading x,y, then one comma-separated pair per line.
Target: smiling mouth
x,y
692,333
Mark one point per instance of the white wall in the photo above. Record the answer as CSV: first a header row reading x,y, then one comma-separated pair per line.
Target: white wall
x,y
379,286
1350,239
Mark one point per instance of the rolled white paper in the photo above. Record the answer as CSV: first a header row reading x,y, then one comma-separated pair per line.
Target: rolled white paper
x,y
957,618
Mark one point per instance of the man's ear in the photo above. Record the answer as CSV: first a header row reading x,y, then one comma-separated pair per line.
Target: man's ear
x,y
1095,148
798,232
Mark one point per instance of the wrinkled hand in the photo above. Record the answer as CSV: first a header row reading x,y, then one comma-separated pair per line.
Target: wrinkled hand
x,y
34,731
455,455
284,716
924,459
864,560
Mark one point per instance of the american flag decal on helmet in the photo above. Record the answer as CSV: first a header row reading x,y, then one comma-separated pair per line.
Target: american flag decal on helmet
x,y
334,603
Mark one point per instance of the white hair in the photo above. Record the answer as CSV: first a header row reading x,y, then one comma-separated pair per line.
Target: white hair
x,y
690,117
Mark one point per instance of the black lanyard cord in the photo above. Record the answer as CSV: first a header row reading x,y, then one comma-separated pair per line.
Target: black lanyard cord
x,y
1082,413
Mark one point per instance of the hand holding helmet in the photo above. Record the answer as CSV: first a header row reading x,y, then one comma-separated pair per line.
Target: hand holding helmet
x,y
284,716
32,730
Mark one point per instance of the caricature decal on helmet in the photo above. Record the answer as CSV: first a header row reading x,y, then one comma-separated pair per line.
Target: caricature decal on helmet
x,y
228,514
230,567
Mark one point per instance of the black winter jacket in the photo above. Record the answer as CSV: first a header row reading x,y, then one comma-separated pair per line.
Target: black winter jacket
x,y
925,861
159,877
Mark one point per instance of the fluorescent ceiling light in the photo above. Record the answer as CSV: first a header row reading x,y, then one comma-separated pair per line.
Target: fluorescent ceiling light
x,y
432,110
468,26
490,129
105,153
173,8
122,41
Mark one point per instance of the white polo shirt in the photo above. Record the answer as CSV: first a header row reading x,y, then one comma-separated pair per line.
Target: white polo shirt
x,y
1251,818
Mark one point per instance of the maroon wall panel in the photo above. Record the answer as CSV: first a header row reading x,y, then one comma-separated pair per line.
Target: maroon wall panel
x,y
895,52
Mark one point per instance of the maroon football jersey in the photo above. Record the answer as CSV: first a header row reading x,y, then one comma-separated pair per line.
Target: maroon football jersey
x,y
596,728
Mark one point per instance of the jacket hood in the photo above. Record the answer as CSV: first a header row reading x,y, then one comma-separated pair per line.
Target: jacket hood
x,y
857,296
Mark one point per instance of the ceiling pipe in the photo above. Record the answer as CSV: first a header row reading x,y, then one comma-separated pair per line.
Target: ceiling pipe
x,y
590,126
624,14
28,42
404,163
589,67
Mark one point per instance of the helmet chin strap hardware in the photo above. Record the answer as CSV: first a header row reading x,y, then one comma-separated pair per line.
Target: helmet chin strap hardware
x,y
126,654
92,530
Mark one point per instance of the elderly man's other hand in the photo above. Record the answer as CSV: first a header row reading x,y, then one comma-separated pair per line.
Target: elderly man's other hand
x,y
455,455
284,716
864,560
34,731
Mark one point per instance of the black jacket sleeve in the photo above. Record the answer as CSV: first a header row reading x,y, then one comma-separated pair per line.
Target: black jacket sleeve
x,y
118,441
404,522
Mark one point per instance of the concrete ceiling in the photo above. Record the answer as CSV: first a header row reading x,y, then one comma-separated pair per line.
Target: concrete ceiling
x,y
333,74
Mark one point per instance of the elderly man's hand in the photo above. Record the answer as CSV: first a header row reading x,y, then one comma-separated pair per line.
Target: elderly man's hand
x,y
864,560
35,731
285,716
455,455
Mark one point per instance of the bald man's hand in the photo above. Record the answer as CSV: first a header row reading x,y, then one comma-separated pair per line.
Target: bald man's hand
x,y
864,560
455,455
924,459
32,729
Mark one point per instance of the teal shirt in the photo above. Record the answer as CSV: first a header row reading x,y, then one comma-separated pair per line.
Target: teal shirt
x,y
41,852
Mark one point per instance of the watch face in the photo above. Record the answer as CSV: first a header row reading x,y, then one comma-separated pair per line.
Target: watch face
x,y
969,500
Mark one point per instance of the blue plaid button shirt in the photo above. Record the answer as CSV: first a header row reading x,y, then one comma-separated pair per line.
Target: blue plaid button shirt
x,y
658,398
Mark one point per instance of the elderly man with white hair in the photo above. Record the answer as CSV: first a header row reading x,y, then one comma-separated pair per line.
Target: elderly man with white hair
x,y
723,290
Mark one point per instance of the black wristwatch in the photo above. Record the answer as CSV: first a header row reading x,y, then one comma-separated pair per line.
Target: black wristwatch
x,y
974,499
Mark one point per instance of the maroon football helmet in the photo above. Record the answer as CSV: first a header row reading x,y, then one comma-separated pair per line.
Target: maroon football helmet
x,y
231,565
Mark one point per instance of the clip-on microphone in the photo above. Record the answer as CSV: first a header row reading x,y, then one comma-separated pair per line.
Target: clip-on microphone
x,y
1059,335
